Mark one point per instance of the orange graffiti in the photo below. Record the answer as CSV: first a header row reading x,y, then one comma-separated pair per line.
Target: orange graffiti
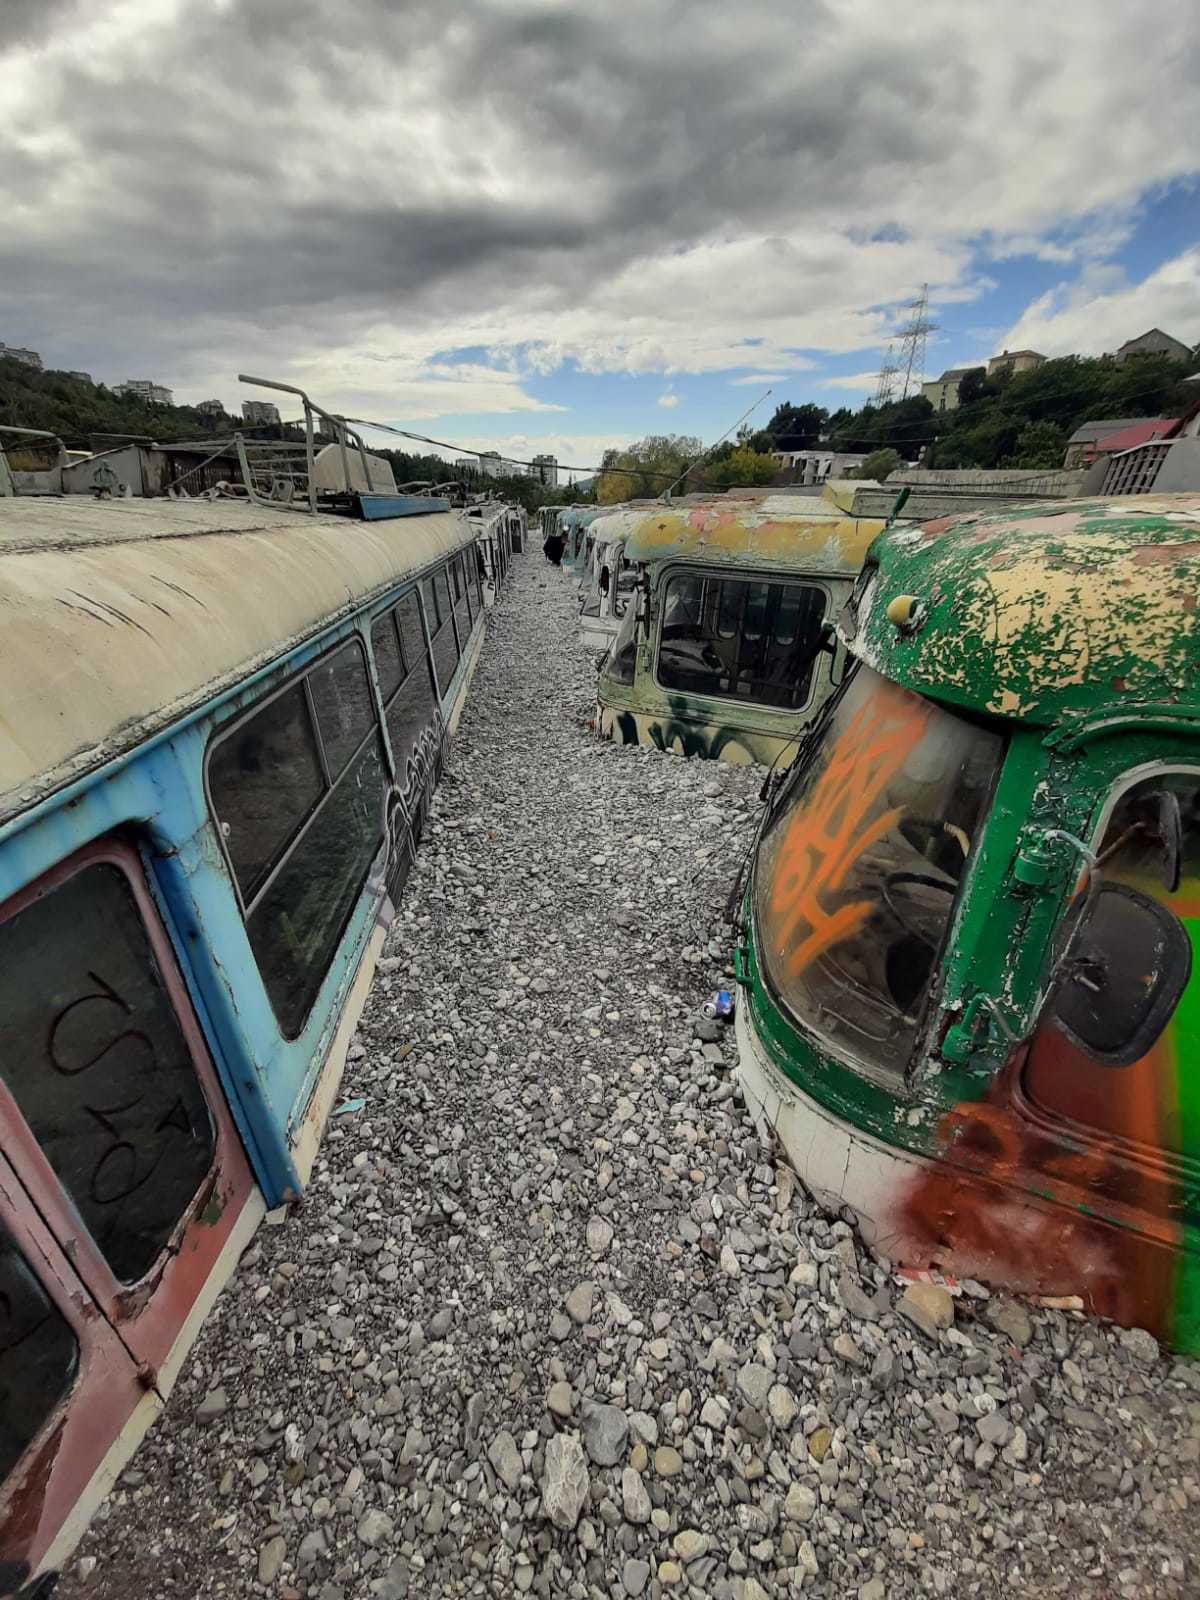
x,y
833,828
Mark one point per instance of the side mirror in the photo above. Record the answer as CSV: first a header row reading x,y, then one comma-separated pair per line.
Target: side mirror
x,y
1125,966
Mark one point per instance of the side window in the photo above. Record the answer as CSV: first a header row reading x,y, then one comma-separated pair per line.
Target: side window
x,y
39,1355
296,915
342,700
621,663
432,610
739,638
97,1062
268,773
445,640
1124,1017
388,653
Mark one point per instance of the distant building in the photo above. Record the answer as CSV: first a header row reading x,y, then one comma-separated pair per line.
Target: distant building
x,y
259,411
27,358
155,394
466,464
491,464
82,377
942,393
1010,361
209,408
545,468
1089,439
1154,342
817,466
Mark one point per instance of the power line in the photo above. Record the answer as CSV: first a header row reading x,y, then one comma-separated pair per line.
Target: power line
x,y
914,430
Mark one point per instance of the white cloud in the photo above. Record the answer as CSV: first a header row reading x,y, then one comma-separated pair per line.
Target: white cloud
x,y
1099,311
668,401
755,378
856,382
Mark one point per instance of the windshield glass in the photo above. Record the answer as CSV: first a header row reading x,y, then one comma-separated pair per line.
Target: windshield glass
x,y
621,661
858,872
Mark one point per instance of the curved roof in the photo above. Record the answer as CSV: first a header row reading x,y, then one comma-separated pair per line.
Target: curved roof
x,y
119,617
1044,613
786,532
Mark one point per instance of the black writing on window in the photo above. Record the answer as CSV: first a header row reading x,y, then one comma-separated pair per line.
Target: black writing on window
x,y
743,639
96,1060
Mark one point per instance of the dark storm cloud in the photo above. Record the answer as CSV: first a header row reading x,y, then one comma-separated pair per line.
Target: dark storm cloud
x,y
252,165
29,22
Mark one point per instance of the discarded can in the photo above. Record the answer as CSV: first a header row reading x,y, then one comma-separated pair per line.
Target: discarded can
x,y
720,1007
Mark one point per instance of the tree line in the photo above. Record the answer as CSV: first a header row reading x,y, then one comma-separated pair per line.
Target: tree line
x,y
1013,420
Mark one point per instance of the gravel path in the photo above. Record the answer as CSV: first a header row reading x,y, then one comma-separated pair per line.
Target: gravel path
x,y
550,1319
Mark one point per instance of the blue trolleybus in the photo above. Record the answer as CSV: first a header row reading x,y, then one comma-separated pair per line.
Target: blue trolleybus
x,y
220,727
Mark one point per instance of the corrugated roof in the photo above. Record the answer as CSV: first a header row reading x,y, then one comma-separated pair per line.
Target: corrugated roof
x,y
1139,433
1100,428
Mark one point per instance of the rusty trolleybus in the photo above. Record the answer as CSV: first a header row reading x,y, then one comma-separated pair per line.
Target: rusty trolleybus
x,y
970,1005
726,646
222,724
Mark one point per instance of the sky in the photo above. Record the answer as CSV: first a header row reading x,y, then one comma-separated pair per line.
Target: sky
x,y
544,225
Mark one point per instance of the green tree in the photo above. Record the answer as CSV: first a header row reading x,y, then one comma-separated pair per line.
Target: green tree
x,y
739,468
879,463
792,428
647,468
1039,444
970,385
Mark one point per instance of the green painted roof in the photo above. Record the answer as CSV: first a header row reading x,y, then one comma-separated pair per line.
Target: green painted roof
x,y
1043,613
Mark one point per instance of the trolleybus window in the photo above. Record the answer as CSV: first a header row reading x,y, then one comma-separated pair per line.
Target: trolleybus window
x,y
741,639
621,663
39,1355
296,915
343,703
389,656
96,1060
860,869
268,775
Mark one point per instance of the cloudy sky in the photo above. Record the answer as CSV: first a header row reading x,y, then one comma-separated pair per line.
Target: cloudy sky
x,y
544,224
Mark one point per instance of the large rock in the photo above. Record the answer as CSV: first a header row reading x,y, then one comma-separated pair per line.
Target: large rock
x,y
754,1382
927,1306
564,1481
634,1500
506,1459
605,1432
579,1302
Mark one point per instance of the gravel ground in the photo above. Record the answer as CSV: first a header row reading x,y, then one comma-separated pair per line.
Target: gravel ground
x,y
551,1319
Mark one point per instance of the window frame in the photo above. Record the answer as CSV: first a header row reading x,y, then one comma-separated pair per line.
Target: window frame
x,y
248,713
376,729
724,575
148,1325
899,1085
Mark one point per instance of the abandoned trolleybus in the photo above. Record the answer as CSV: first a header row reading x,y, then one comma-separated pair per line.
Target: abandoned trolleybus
x,y
222,725
970,1005
726,648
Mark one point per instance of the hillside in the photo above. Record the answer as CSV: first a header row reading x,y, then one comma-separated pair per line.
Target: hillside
x,y
77,410
1019,421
